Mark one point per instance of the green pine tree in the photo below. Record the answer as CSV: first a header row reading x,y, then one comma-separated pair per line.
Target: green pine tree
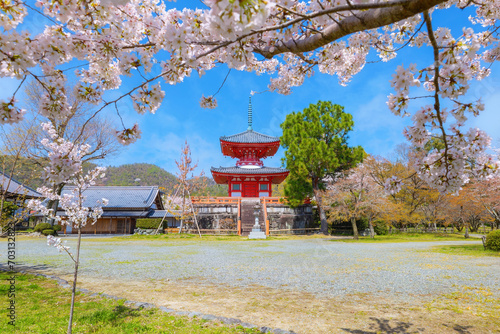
x,y
315,143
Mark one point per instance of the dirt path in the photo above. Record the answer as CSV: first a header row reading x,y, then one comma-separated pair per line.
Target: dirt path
x,y
305,313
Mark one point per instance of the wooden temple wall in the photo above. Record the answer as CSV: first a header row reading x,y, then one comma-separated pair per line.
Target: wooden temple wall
x,y
108,225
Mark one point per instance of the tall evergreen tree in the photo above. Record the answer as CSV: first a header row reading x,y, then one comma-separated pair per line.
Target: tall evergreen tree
x,y
315,142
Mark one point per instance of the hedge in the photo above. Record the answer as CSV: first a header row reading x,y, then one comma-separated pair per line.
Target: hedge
x,y
149,223
43,226
49,231
493,240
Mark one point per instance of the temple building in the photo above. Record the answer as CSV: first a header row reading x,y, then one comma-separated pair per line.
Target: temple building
x,y
249,178
250,191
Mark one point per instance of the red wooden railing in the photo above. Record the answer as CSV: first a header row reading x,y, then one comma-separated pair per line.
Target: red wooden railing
x,y
214,200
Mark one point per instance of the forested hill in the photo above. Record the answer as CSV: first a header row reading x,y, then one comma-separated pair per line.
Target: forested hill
x,y
140,174
28,172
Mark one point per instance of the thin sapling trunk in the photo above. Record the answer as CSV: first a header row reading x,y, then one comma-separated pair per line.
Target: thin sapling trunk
x,y
73,290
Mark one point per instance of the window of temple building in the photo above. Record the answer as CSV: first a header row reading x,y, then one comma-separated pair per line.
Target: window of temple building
x,y
236,186
263,186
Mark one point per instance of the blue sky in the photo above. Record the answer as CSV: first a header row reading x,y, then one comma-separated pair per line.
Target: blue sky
x,y
181,118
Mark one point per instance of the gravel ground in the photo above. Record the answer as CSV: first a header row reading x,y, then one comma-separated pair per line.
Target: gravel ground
x,y
317,266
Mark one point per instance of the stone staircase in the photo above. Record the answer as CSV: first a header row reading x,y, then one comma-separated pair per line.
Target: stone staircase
x,y
247,215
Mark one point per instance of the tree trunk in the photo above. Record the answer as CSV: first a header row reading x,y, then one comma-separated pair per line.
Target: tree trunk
x,y
73,290
54,204
354,228
322,215
180,226
183,209
372,230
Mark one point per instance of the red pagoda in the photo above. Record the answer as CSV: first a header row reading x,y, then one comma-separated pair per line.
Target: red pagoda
x,y
249,178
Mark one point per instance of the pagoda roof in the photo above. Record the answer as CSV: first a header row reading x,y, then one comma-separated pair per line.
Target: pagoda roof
x,y
250,137
250,171
221,174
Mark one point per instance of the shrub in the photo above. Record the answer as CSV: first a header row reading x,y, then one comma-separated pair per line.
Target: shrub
x,y
380,227
149,223
49,231
57,228
43,226
362,224
493,240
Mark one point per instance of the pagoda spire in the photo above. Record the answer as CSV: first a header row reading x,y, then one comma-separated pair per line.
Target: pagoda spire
x,y
249,113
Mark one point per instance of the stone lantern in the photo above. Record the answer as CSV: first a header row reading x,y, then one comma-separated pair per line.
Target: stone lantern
x,y
256,232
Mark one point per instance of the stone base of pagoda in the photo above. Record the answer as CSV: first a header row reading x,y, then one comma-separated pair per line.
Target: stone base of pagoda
x,y
256,233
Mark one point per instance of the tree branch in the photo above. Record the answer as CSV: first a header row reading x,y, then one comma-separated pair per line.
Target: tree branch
x,y
373,17
437,106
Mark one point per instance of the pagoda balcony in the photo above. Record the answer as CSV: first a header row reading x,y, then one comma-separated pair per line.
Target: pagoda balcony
x,y
249,162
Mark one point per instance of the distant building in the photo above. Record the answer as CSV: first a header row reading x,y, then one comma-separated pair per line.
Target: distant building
x,y
17,193
126,205
15,190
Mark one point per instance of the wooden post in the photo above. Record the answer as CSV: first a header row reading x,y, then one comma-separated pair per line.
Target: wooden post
x,y
239,216
264,207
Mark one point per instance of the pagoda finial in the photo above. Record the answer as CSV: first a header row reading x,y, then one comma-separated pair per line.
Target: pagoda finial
x,y
249,113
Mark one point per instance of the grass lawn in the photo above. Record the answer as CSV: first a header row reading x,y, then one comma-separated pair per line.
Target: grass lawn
x,y
412,237
470,250
396,237
195,237
42,306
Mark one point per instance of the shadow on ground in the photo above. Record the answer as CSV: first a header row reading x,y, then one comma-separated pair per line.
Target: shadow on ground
x,y
119,312
400,327
25,267
459,329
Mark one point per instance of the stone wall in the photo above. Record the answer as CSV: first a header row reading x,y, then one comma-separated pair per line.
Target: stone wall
x,y
281,217
217,216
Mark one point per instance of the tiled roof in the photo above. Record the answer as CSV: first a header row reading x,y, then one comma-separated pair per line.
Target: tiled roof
x,y
159,214
119,197
116,213
250,136
239,170
130,213
16,188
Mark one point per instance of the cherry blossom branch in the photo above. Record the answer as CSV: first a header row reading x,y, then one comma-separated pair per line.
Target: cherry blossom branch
x,y
386,13
437,106
223,82
403,9
285,9
129,93
405,44
19,86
